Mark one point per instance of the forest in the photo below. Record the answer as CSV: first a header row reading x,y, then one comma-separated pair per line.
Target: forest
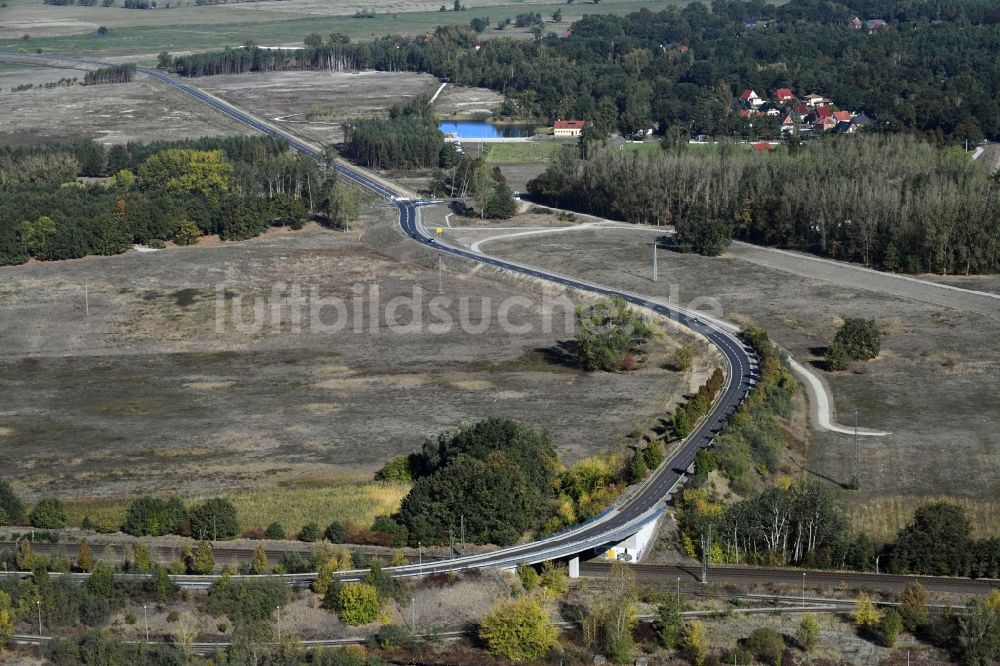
x,y
890,202
152,192
408,138
931,69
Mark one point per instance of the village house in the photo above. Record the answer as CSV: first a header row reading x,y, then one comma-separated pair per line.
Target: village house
x,y
751,99
814,100
568,127
783,95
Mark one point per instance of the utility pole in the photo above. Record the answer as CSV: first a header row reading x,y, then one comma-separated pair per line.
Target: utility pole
x,y
706,547
86,300
38,605
654,260
145,618
413,614
678,591
440,279
463,535
420,558
279,623
451,542
857,454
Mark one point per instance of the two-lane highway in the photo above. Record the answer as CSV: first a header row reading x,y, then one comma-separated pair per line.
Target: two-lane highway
x,y
648,502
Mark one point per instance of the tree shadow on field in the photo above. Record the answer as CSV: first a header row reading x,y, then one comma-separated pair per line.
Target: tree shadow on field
x,y
818,359
843,485
562,353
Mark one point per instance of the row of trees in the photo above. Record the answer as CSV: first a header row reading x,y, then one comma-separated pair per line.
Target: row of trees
x,y
895,203
178,191
123,73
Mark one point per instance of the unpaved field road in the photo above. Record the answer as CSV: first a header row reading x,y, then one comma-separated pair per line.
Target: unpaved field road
x,y
857,277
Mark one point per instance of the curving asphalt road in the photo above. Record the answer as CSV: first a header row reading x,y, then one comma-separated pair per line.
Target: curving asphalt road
x,y
616,524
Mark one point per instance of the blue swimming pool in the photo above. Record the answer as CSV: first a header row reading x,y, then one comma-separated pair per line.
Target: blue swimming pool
x,y
480,129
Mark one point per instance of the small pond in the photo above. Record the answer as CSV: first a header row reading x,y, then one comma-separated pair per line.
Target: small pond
x,y
480,129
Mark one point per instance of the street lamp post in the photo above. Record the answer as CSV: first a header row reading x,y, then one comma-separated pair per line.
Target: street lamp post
x,y
678,590
145,619
279,623
420,558
38,605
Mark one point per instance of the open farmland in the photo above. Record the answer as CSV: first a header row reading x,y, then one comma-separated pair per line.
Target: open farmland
x,y
149,393
933,386
185,26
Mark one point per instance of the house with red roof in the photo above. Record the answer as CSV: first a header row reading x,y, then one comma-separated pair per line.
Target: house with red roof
x,y
783,95
762,146
825,124
842,116
568,127
824,112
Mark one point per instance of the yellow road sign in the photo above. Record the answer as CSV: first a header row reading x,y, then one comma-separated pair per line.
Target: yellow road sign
x,y
440,230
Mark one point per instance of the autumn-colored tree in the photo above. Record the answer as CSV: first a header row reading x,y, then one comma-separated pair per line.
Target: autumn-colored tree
x,y
808,633
24,558
518,630
6,620
204,172
259,564
143,560
867,616
358,604
188,233
913,605
201,560
84,558
693,642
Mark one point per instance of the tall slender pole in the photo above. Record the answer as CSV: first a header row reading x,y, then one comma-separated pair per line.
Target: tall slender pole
x,y
654,261
678,590
451,542
38,605
420,558
857,454
803,589
463,535
413,614
86,299
145,619
706,547
279,623
440,279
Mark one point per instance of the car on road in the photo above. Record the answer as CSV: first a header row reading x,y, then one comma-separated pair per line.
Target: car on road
x,y
431,241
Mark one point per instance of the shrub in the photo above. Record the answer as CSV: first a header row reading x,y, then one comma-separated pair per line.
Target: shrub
x,y
400,469
274,531
891,627
518,630
247,601
143,560
554,578
866,617
24,558
683,358
200,560
11,508
156,244
654,454
913,606
49,513
393,637
335,532
259,563
637,467
188,233
396,534
669,623
173,616
162,587
606,332
767,645
153,516
528,575
130,618
808,633
214,519
358,604
859,338
101,581
309,533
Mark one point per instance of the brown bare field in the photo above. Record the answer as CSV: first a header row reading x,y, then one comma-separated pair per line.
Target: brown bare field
x,y
315,104
932,387
150,394
143,110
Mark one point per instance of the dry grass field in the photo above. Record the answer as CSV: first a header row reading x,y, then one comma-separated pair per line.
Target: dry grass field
x,y
141,110
933,387
149,394
181,25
